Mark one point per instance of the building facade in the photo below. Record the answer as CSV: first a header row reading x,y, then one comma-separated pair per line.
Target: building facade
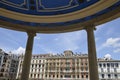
x,y
57,67
109,69
68,66
37,67
3,66
8,65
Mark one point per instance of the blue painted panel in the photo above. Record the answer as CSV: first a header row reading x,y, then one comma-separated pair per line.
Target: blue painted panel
x,y
46,7
14,1
55,3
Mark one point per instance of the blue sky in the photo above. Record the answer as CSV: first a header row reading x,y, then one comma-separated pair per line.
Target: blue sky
x,y
107,38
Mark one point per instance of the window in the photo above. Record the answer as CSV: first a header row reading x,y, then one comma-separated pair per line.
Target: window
x,y
104,65
86,68
86,64
100,65
73,76
67,69
61,76
103,75
2,70
36,65
112,64
31,75
39,61
57,76
86,76
82,76
108,64
39,65
116,64
49,75
1,74
38,75
67,76
34,75
116,76
109,76
81,63
58,63
73,69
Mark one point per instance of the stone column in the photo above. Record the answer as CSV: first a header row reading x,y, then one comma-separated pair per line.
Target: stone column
x,y
93,68
27,56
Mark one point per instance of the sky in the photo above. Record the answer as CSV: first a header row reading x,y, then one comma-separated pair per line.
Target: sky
x,y
107,37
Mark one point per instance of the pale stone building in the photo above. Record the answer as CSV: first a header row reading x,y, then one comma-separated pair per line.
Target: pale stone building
x,y
8,65
109,69
69,65
37,67
4,65
57,67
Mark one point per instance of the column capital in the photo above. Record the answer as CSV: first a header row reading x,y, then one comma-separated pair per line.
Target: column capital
x,y
90,27
31,33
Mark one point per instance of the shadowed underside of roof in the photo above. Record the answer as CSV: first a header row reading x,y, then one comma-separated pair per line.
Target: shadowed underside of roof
x,y
53,16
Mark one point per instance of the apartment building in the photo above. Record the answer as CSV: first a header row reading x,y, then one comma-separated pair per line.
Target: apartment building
x,y
1,57
37,67
109,69
8,65
57,67
68,66
4,65
13,61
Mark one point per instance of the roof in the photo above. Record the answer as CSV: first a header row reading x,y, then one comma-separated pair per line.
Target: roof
x,y
54,16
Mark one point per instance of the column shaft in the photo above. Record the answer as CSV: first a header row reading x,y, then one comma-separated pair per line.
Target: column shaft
x,y
27,57
93,68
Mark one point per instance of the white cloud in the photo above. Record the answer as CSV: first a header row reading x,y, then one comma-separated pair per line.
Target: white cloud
x,y
112,42
107,56
37,37
20,50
